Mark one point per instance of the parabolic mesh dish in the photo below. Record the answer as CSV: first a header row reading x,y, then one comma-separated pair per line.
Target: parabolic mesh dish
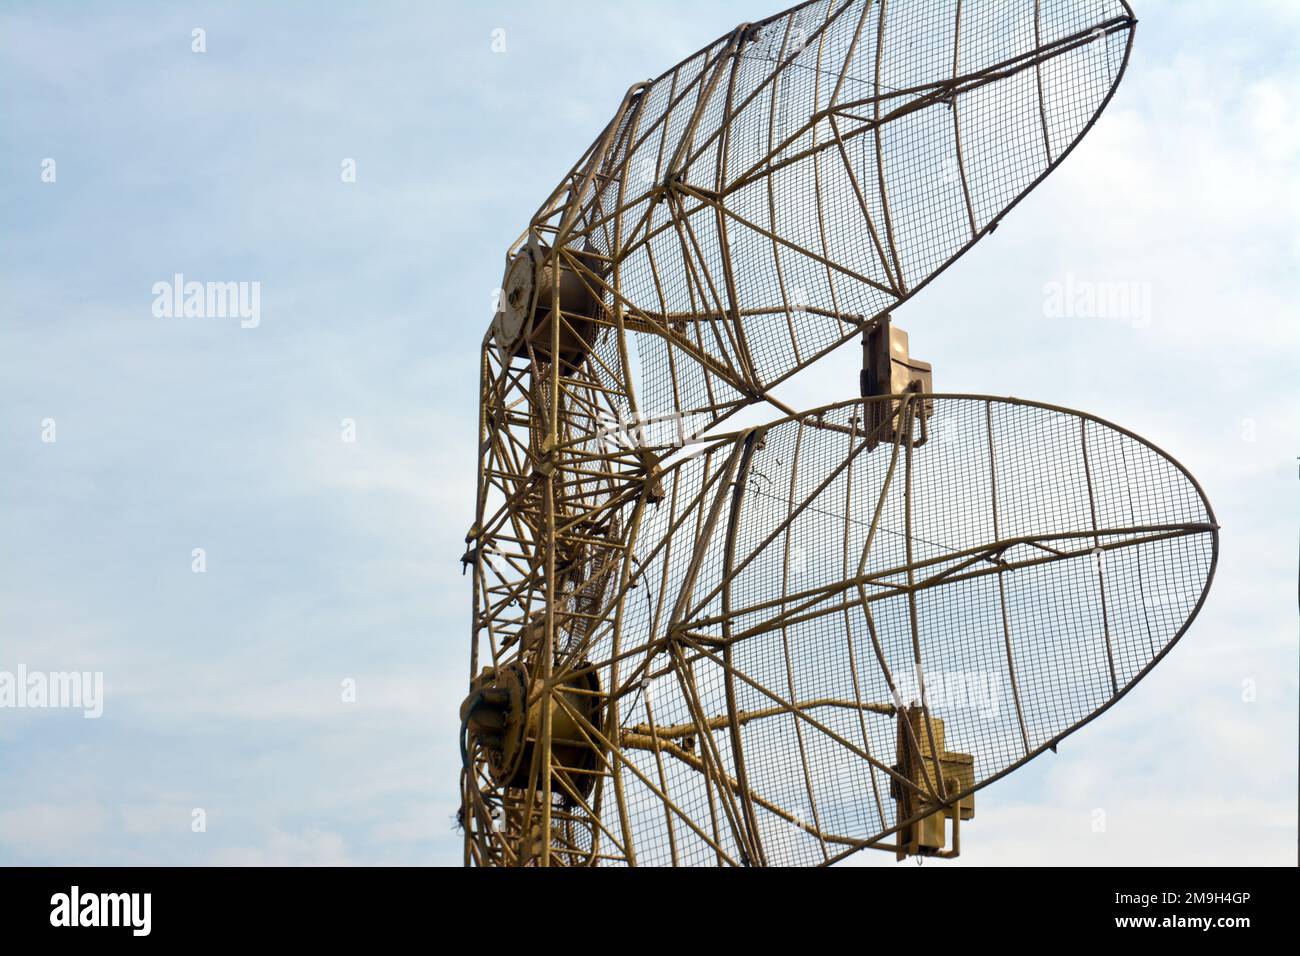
x,y
747,210
1026,564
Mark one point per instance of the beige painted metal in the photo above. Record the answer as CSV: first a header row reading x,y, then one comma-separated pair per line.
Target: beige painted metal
x,y
698,255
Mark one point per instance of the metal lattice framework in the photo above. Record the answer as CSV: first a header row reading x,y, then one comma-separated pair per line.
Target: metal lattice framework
x,y
784,644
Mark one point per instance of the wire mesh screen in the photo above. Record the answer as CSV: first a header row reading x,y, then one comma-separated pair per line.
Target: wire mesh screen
x,y
753,206
1015,572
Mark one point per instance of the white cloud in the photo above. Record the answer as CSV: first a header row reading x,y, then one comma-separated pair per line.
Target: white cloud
x,y
63,829
307,848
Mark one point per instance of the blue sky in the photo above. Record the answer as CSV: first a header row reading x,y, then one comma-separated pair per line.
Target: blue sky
x,y
330,561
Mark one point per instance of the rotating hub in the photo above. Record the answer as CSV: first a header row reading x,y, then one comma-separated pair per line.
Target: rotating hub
x,y
502,721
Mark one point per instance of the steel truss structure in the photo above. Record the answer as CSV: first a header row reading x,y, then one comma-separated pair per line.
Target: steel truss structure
x,y
788,642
